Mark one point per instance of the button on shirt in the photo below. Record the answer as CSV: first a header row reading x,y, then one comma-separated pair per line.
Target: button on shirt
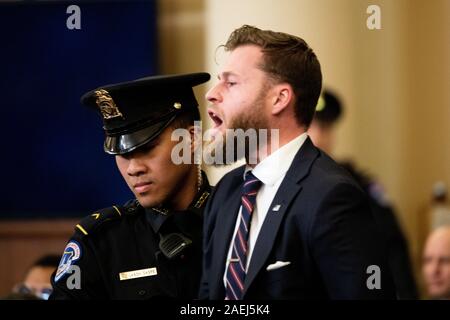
x,y
271,171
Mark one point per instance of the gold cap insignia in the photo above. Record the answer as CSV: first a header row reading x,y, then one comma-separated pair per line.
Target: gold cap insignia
x,y
106,105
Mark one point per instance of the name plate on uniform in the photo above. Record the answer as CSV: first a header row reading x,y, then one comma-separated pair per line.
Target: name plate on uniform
x,y
138,274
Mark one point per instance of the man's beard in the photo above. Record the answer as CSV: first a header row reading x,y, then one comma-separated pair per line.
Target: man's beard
x,y
237,142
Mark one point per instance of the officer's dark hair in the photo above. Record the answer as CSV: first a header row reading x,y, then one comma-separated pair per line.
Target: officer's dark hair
x,y
286,58
186,118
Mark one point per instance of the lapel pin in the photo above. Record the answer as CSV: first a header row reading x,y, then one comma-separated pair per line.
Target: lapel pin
x,y
276,208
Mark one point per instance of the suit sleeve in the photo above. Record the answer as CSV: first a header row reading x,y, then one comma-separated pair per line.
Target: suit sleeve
x,y
348,248
207,244
78,276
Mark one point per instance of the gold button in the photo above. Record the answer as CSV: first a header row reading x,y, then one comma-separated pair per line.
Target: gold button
x,y
177,105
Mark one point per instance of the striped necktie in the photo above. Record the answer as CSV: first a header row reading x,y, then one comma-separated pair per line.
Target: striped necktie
x,y
236,268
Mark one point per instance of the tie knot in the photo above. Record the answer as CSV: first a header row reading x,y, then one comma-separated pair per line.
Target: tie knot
x,y
251,184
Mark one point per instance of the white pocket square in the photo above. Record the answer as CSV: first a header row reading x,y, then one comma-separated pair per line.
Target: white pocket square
x,y
277,265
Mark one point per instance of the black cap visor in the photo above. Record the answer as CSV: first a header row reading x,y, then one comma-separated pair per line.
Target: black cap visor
x,y
124,143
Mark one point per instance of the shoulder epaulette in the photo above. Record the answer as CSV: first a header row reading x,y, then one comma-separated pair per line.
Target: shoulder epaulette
x,y
90,223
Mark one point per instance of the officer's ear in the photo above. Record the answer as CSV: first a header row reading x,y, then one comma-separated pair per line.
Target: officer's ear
x,y
195,134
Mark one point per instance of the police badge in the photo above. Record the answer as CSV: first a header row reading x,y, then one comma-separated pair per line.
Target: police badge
x,y
107,105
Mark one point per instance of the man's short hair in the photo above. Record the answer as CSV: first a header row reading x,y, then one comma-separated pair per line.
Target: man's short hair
x,y
286,58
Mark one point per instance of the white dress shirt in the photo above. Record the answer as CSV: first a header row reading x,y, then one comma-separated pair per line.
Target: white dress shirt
x,y
271,171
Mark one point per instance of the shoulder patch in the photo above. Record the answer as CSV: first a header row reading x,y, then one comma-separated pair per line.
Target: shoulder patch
x,y
72,253
87,225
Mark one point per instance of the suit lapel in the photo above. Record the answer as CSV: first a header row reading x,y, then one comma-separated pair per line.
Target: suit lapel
x,y
225,224
266,238
286,193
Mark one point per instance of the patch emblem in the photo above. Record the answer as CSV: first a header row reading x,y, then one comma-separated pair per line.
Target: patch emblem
x,y
72,253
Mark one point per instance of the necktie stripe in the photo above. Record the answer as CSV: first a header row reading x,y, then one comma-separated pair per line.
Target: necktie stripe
x,y
244,224
236,255
250,182
241,241
242,229
248,205
237,279
232,292
235,274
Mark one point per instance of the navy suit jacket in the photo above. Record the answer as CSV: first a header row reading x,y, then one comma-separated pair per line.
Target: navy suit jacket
x,y
324,231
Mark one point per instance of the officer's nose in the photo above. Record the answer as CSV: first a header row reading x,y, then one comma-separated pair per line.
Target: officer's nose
x,y
136,167
213,95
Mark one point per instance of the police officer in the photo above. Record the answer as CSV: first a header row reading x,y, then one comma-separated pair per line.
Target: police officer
x,y
151,246
322,132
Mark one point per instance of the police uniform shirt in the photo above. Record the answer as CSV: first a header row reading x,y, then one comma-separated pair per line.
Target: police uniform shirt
x,y
115,254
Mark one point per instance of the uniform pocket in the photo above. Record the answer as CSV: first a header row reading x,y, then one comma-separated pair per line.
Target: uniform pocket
x,y
142,289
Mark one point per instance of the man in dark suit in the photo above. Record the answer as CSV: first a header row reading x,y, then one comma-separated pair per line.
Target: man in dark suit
x,y
291,223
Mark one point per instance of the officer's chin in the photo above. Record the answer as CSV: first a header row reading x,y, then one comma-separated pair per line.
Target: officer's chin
x,y
147,202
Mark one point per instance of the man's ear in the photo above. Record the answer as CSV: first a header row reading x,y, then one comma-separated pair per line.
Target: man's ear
x,y
282,97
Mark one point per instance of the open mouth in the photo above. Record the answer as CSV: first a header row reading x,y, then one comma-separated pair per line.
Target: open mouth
x,y
215,118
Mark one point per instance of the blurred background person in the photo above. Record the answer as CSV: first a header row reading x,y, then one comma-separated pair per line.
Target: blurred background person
x,y
436,264
322,132
322,128
435,214
440,208
36,284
